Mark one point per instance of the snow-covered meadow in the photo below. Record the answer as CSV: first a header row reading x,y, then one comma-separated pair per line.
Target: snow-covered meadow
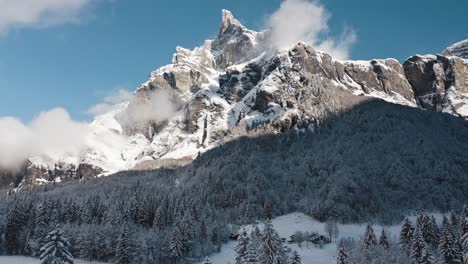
x,y
288,224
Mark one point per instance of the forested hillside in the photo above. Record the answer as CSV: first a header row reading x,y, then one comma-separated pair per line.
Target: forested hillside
x,y
377,162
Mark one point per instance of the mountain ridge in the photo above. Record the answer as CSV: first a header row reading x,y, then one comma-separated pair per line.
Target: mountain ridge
x,y
237,85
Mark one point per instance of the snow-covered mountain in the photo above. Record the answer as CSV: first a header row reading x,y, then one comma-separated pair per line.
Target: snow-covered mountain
x,y
236,85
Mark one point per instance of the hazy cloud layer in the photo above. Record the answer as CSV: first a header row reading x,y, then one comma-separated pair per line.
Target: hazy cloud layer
x,y
52,132
38,13
303,20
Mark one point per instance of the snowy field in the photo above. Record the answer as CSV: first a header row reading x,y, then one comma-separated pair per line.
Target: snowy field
x,y
288,224
28,260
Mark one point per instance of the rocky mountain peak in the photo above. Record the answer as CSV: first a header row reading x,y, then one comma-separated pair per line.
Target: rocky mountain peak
x,y
231,86
459,49
228,21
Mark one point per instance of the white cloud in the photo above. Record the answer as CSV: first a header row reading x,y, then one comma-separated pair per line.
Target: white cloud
x,y
117,96
37,13
52,132
303,20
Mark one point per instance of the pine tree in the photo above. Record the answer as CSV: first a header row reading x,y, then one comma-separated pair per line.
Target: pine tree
x,y
427,257
40,229
122,250
342,257
176,243
55,249
455,223
369,237
295,258
250,254
448,250
383,241
418,246
406,236
270,246
464,241
241,247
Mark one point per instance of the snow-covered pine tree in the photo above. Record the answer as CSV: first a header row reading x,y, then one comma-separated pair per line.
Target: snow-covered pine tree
x,y
41,229
464,223
270,246
342,257
383,240
241,247
455,223
122,250
418,246
434,234
449,252
406,236
176,243
295,258
55,249
250,254
207,260
203,235
464,240
427,257
369,237
428,229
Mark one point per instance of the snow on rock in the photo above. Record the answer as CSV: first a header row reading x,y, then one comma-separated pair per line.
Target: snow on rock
x,y
233,85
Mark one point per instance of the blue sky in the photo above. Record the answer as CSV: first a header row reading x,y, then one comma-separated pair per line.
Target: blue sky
x,y
112,44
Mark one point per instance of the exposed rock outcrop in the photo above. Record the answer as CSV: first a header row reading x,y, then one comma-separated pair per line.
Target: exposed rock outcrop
x,y
459,49
440,83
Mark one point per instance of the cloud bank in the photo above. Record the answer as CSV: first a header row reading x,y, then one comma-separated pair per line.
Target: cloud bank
x,y
39,13
53,133
302,20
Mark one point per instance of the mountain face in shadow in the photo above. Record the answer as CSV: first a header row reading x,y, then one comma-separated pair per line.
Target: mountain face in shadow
x,y
375,161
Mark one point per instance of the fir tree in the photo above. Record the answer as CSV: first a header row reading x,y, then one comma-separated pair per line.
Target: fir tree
x,y
427,257
406,236
176,243
383,241
295,258
241,247
418,246
55,249
250,254
464,241
270,246
369,238
122,250
342,257
455,223
448,250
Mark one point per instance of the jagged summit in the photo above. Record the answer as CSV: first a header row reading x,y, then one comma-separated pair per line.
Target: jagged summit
x,y
459,49
228,20
232,86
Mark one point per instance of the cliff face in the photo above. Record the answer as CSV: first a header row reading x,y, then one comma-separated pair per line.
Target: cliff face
x,y
236,85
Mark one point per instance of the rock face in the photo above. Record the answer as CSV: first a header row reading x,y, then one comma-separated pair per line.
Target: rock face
x,y
440,83
459,49
233,86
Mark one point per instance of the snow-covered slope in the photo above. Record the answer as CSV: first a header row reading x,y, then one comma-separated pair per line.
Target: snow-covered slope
x,y
236,85
287,225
